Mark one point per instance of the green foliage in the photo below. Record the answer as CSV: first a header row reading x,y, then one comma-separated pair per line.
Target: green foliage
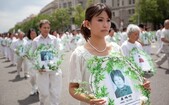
x,y
79,14
99,65
153,11
60,19
52,65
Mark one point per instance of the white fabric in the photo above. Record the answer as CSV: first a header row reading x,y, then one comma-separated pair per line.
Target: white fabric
x,y
50,82
20,59
78,67
165,34
126,47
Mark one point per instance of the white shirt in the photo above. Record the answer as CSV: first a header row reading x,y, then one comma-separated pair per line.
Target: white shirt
x,y
126,47
50,39
165,34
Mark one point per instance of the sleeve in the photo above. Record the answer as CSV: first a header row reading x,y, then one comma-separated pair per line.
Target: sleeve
x,y
162,34
124,50
75,68
56,43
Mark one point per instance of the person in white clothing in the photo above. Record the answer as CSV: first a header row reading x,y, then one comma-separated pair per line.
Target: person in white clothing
x,y
20,52
31,35
94,28
133,35
49,82
165,40
160,44
145,39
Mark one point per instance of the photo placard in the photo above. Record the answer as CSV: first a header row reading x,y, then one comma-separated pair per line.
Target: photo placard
x,y
143,60
47,58
116,79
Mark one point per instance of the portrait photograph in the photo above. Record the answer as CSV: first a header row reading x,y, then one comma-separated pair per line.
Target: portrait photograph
x,y
119,87
46,55
143,60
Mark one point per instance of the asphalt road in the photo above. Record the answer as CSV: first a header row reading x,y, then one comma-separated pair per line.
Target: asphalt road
x,y
15,91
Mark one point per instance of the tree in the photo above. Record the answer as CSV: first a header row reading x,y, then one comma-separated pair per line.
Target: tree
x,y
145,11
79,15
60,19
150,11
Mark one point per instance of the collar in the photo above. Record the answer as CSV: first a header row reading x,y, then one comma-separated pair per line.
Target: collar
x,y
48,36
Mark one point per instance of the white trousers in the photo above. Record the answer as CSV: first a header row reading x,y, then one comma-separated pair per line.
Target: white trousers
x,y
160,46
21,61
147,49
165,56
33,77
49,86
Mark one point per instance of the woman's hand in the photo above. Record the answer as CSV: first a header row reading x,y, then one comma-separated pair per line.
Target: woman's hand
x,y
42,71
97,102
146,84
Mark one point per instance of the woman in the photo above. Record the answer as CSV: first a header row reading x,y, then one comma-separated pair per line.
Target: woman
x,y
133,35
31,35
94,28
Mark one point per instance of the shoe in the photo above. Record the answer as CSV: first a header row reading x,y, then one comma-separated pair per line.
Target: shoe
x,y
26,76
158,55
34,92
18,76
159,66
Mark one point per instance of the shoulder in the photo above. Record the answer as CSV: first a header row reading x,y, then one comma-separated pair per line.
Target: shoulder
x,y
37,38
52,37
115,47
124,43
80,50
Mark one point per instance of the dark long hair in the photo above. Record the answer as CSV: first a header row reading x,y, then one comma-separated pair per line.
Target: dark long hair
x,y
94,10
29,33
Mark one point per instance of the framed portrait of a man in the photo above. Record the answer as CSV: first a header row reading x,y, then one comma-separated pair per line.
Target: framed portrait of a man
x,y
47,58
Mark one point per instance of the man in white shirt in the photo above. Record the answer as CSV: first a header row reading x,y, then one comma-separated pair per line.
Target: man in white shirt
x,y
165,40
49,82
20,52
160,44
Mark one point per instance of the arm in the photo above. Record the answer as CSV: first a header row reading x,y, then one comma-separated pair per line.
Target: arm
x,y
84,97
165,40
146,84
81,97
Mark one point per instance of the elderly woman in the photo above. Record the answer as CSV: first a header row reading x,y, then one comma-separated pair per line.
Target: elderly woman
x,y
133,35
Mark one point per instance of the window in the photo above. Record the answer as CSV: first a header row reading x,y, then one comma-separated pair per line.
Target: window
x,y
69,4
64,5
129,11
118,3
103,1
113,14
129,2
133,11
122,2
133,1
113,3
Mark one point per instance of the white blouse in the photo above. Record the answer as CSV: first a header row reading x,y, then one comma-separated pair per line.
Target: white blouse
x,y
78,65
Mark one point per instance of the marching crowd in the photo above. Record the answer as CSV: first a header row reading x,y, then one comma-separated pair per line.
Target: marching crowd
x,y
16,46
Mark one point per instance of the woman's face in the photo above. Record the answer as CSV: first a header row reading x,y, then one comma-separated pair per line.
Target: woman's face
x,y
45,29
100,25
118,81
134,36
33,34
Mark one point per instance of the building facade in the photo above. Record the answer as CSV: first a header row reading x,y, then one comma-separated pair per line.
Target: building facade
x,y
122,10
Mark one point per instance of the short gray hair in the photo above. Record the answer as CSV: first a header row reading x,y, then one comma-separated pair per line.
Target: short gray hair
x,y
132,28
20,32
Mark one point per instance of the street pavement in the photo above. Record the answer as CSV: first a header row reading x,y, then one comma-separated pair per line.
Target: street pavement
x,y
14,91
